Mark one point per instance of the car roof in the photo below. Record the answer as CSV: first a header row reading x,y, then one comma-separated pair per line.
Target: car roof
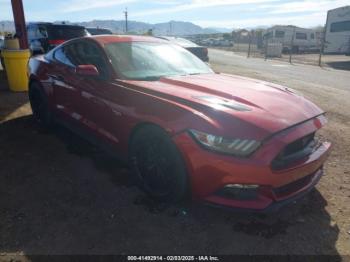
x,y
107,39
54,24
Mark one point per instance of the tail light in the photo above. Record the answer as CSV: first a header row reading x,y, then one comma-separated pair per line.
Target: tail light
x,y
56,41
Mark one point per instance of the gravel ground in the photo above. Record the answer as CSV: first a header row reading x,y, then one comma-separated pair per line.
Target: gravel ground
x,y
60,195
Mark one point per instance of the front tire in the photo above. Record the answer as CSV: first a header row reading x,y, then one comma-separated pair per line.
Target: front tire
x,y
39,105
157,165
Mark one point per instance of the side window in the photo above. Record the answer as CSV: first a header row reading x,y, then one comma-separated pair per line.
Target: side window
x,y
71,55
60,56
89,54
268,35
340,26
279,34
301,36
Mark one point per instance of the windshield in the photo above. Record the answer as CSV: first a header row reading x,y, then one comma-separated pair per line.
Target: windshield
x,y
150,61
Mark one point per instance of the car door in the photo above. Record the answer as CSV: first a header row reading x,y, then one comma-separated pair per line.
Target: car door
x,y
66,94
96,93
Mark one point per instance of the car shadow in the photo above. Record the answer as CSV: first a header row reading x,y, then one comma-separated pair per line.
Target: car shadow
x,y
61,195
12,104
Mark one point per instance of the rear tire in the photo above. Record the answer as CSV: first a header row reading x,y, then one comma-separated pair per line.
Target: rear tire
x,y
157,166
39,105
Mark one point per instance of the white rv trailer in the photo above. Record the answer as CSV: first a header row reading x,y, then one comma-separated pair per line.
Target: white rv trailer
x,y
337,37
291,37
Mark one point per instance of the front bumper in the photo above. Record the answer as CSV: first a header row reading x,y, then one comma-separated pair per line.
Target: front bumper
x,y
274,205
210,172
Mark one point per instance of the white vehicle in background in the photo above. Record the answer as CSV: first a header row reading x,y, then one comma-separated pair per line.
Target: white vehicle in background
x,y
291,37
337,37
225,42
217,42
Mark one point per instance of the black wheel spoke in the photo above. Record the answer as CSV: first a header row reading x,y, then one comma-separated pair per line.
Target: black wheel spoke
x,y
157,165
154,166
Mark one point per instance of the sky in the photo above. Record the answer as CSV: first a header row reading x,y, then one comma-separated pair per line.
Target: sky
x,y
205,13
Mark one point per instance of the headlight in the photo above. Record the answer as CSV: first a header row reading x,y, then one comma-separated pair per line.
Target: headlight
x,y
237,147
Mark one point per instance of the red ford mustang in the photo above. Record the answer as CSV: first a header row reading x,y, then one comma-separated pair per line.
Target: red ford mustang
x,y
185,130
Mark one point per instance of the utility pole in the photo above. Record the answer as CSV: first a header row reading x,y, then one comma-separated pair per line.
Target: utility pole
x,y
266,44
126,19
323,40
250,42
291,46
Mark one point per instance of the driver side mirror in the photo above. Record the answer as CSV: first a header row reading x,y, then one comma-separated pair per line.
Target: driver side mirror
x,y
87,70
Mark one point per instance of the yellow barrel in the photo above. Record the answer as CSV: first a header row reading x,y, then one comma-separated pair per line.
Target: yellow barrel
x,y
16,68
11,43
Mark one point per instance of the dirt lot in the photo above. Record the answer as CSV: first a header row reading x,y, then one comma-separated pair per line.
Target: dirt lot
x,y
60,195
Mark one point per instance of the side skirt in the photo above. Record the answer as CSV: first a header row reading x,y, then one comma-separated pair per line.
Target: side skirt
x,y
109,148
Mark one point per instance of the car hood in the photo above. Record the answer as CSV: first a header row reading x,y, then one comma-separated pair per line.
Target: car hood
x,y
222,97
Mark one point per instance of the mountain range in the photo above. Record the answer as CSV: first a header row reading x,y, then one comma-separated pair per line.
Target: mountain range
x,y
118,26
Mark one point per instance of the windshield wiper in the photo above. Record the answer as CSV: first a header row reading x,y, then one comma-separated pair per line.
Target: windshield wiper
x,y
147,78
191,74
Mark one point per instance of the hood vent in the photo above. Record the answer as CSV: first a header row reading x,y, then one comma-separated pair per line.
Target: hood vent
x,y
219,103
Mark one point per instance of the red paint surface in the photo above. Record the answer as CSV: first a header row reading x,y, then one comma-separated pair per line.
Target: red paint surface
x,y
56,41
110,109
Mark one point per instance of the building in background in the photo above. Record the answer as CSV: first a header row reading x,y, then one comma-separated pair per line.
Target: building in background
x,y
292,38
337,37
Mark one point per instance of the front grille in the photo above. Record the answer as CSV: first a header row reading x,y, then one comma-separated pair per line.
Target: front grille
x,y
238,193
298,145
293,187
294,151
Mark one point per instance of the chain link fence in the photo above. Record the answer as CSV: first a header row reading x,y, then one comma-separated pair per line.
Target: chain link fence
x,y
295,46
